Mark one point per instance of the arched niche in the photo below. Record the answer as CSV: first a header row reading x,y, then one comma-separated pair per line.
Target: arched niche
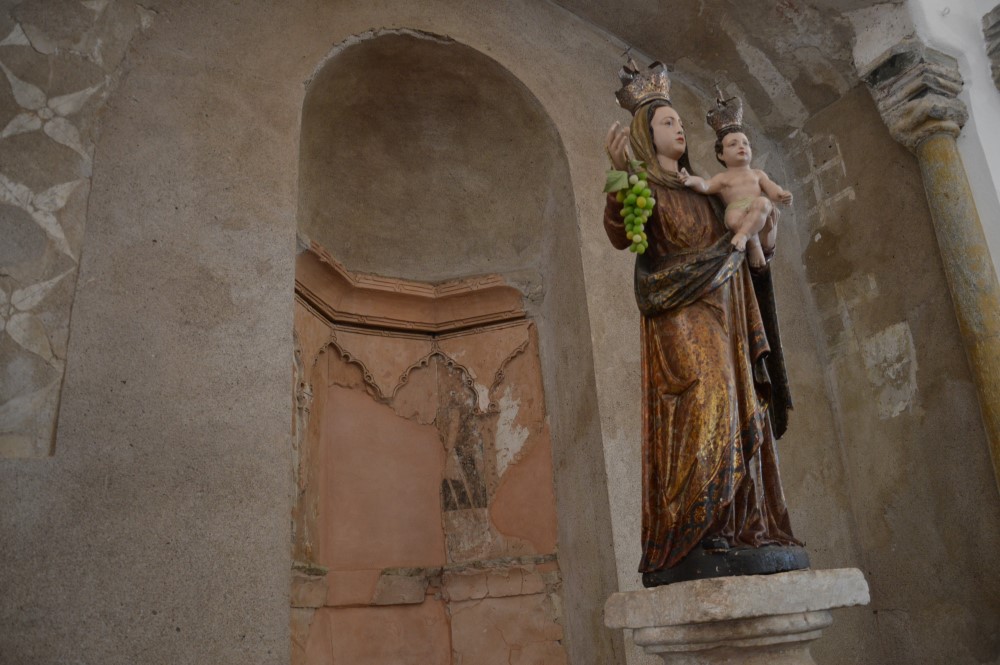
x,y
424,160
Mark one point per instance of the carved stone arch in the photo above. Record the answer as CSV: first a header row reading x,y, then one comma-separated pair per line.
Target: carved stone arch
x,y
498,378
424,362
346,356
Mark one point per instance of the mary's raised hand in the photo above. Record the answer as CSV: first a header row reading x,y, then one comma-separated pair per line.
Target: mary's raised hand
x,y
616,144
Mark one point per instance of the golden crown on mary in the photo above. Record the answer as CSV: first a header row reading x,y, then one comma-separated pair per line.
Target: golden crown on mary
x,y
639,87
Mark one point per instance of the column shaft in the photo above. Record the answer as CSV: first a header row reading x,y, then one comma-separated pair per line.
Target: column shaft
x,y
968,268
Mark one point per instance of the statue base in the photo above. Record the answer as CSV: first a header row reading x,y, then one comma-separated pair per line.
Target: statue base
x,y
750,620
704,563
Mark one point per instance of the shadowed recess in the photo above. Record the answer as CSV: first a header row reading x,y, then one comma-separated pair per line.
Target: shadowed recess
x,y
423,158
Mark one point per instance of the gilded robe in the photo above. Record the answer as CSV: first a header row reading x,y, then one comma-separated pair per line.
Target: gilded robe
x,y
709,465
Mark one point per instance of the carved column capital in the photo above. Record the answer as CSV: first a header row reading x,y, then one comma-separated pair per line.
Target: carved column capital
x,y
991,32
916,89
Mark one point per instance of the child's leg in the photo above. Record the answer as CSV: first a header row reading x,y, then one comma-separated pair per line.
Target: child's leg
x,y
755,255
769,234
756,217
747,220
735,222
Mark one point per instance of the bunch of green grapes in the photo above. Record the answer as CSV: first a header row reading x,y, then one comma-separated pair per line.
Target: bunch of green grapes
x,y
638,206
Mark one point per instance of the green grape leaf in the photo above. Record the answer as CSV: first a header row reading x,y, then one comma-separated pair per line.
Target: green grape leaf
x,y
636,165
617,180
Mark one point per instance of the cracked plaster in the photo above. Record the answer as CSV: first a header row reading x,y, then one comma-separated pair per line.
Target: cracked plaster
x,y
477,559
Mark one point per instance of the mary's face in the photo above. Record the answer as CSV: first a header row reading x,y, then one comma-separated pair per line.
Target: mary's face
x,y
668,133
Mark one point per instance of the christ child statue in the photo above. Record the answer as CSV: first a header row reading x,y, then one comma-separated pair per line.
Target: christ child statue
x,y
748,193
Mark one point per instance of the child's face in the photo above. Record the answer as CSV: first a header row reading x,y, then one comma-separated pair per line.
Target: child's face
x,y
736,149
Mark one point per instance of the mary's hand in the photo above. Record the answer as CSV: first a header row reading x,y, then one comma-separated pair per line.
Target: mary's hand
x,y
616,143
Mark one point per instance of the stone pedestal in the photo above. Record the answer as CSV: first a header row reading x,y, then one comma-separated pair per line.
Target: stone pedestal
x,y
749,620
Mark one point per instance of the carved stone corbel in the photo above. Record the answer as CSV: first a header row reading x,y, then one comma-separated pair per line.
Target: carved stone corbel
x,y
916,89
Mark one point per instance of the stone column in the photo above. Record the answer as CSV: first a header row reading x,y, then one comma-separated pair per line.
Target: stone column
x,y
916,89
750,620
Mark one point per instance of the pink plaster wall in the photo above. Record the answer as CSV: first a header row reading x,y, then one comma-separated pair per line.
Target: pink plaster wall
x,y
431,455
400,635
505,631
379,483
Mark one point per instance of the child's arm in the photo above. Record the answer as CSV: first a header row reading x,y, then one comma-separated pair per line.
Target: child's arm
x,y
772,190
713,186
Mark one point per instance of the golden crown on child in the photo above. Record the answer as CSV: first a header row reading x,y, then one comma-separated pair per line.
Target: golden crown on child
x,y
727,114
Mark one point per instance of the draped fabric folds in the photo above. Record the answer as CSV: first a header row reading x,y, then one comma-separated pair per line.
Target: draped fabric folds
x,y
685,279
709,462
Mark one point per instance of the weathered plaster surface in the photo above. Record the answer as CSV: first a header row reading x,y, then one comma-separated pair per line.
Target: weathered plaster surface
x,y
789,60
510,436
169,490
908,424
413,502
390,475
878,28
890,361
58,69
374,450
406,634
507,630
446,114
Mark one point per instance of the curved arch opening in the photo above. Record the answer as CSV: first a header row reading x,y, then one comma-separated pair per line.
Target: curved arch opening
x,y
424,159
427,170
